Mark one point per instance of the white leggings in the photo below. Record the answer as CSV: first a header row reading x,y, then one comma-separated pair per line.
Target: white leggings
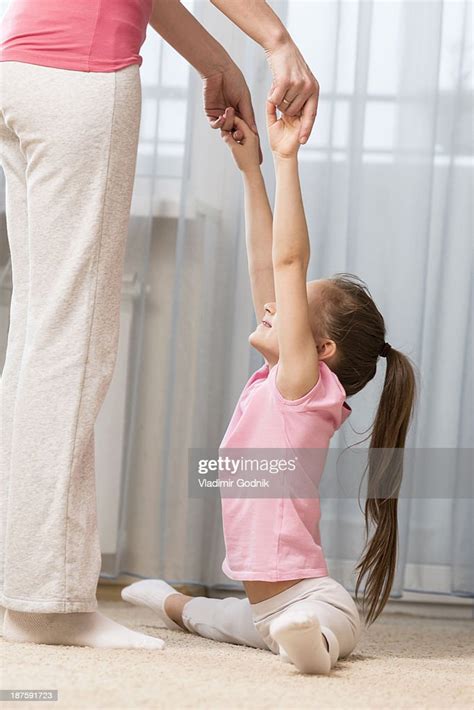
x,y
237,621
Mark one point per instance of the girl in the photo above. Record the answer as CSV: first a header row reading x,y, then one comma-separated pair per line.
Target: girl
x,y
321,342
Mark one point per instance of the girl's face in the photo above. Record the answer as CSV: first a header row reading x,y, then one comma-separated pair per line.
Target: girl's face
x,y
265,336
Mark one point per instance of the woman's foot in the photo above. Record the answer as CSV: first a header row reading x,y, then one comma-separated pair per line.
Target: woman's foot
x,y
298,633
159,596
78,629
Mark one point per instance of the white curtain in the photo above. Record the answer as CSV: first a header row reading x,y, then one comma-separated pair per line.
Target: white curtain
x,y
386,181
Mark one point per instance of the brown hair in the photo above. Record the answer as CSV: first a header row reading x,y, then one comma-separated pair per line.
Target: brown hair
x,y
350,317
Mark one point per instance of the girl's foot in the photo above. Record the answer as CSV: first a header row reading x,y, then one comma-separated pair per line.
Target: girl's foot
x,y
78,629
298,633
158,595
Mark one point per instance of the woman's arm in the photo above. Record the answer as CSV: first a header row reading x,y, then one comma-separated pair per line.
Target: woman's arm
x,y
258,216
294,88
224,84
298,368
183,32
257,19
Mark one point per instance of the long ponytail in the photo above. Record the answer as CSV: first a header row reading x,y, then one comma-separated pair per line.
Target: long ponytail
x,y
349,316
385,471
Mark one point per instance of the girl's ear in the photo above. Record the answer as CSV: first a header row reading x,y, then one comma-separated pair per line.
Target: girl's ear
x,y
326,349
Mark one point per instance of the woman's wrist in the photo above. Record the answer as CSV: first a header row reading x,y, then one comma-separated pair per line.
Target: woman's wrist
x,y
278,37
217,62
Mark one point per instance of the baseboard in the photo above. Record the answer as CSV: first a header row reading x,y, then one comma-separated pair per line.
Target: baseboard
x,y
430,609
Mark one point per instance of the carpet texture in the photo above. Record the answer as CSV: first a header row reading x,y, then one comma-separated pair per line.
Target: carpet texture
x,y
401,662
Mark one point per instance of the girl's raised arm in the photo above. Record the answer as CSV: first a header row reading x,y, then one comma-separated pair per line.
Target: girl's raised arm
x,y
298,366
258,215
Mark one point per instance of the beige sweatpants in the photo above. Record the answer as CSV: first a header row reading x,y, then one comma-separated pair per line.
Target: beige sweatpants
x,y
68,150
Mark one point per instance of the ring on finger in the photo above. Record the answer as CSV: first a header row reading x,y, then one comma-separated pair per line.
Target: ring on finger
x,y
285,103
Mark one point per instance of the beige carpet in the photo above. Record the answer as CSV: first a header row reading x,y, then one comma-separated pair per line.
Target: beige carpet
x,y
402,662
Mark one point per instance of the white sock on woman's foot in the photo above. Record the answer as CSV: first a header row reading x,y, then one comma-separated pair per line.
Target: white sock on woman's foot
x,y
152,593
298,633
77,629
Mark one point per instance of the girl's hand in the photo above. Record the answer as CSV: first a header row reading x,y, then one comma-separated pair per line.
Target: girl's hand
x,y
283,132
228,89
244,145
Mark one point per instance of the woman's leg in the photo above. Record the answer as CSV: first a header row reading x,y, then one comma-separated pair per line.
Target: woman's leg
x,y
78,133
14,167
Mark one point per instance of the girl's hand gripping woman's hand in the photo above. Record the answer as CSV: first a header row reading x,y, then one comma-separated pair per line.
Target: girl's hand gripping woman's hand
x,y
283,133
242,141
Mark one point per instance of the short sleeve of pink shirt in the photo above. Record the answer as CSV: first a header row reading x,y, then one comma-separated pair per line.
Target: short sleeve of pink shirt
x,y
276,539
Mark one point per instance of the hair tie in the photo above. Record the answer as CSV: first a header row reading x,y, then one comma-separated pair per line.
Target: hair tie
x,y
386,347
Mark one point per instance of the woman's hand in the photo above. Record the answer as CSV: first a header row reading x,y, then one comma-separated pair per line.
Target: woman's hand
x,y
283,132
294,90
225,89
245,149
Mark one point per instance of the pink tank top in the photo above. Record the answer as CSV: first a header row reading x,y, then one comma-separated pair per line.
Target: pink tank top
x,y
85,35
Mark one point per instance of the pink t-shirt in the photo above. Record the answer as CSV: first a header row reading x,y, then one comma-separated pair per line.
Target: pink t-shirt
x,y
85,35
276,539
